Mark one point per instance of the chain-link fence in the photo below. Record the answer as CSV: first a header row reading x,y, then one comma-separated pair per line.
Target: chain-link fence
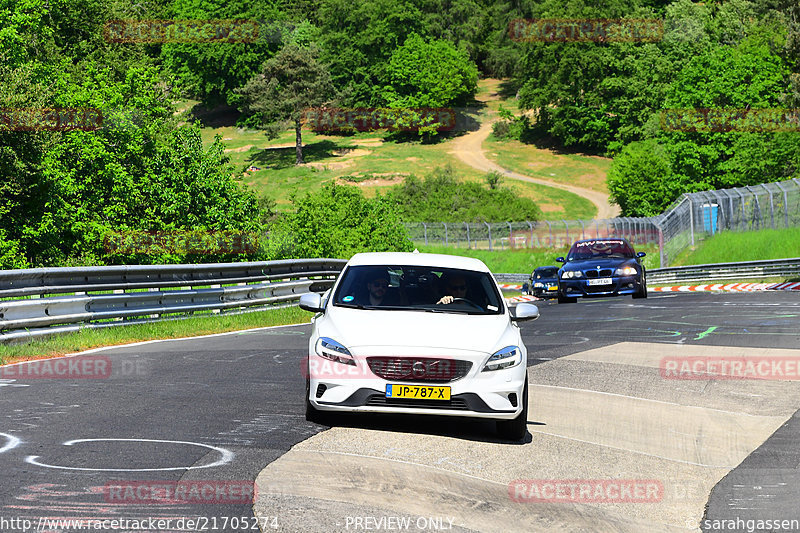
x,y
692,217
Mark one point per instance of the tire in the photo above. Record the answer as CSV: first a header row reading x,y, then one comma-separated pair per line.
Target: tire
x,y
516,429
642,292
566,299
312,413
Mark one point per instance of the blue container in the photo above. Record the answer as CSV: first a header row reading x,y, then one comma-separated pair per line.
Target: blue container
x,y
710,214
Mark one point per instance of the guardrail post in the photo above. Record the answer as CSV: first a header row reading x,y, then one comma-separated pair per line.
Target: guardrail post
x,y
490,235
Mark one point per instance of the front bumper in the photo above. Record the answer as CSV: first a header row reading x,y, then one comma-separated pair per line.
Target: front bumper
x,y
495,395
620,285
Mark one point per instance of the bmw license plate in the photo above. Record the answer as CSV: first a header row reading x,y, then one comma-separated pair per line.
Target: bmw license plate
x,y
418,392
599,281
552,288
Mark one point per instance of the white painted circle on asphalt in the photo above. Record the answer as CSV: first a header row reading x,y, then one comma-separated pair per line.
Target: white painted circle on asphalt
x,y
11,442
226,456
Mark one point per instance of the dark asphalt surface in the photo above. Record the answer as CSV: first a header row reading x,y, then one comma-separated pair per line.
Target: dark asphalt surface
x,y
234,402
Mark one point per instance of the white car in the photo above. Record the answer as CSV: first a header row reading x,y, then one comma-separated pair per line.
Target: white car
x,y
418,334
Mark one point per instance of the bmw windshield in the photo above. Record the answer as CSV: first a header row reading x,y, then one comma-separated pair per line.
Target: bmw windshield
x,y
418,288
600,249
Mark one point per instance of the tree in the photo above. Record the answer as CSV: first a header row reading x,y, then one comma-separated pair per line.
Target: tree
x,y
289,83
433,74
640,179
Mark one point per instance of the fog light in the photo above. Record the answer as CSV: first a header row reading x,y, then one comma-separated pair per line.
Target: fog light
x,y
513,399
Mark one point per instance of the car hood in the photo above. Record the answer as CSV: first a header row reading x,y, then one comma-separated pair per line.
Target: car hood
x,y
394,332
589,264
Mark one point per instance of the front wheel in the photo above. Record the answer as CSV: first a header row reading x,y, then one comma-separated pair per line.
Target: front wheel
x,y
516,429
566,299
642,293
312,413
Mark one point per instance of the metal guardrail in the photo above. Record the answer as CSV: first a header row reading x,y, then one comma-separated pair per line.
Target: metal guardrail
x,y
726,271
710,272
48,301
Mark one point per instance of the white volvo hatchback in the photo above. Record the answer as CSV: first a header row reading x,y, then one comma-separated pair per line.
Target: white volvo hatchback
x,y
418,334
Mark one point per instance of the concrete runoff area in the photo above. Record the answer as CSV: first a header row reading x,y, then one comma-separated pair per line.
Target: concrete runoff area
x,y
602,414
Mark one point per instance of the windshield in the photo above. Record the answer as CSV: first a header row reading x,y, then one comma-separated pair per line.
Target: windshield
x,y
545,273
600,248
418,288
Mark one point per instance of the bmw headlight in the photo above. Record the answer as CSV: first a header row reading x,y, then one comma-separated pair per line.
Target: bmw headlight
x,y
626,271
537,284
505,358
330,349
569,274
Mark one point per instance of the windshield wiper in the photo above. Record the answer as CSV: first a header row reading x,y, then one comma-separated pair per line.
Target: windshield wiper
x,y
351,306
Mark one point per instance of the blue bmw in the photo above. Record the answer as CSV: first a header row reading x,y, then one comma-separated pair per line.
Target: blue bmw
x,y
601,267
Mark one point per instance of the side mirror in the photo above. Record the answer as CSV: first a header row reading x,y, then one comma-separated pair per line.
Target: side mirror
x,y
524,311
311,301
561,260
640,254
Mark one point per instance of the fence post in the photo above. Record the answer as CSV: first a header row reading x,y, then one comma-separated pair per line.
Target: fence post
x,y
691,219
445,234
583,230
490,235
756,208
566,224
771,206
467,225
785,203
531,228
550,230
425,229
596,229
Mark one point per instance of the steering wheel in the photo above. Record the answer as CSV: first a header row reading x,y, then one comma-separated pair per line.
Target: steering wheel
x,y
466,301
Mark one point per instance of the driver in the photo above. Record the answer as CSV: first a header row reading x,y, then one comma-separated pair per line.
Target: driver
x,y
455,286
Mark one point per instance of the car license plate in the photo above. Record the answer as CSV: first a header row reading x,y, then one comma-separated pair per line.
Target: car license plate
x,y
419,392
599,281
553,288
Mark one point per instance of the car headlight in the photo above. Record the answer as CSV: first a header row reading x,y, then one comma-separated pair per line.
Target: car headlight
x,y
505,358
537,284
626,271
567,274
330,349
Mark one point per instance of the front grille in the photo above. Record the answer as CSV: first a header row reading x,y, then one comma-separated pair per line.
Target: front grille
x,y
602,273
382,401
427,369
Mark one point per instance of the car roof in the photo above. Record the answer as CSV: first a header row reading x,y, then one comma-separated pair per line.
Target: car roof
x,y
418,259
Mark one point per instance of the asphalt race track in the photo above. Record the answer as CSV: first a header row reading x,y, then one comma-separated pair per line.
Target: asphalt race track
x,y
227,410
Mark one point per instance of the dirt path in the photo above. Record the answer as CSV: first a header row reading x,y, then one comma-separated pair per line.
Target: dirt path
x,y
469,149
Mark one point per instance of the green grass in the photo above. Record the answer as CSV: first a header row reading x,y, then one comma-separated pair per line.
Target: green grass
x,y
523,261
731,246
172,329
